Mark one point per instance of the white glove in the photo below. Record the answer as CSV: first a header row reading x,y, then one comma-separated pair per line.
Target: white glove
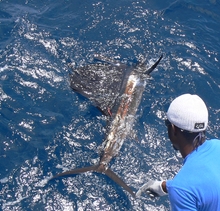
x,y
153,188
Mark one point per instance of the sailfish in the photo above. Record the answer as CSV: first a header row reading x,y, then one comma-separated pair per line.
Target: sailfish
x,y
116,89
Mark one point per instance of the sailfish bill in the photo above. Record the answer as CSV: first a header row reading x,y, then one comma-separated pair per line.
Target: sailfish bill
x,y
116,89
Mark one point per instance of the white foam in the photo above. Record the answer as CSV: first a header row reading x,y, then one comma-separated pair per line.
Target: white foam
x,y
12,203
43,182
4,180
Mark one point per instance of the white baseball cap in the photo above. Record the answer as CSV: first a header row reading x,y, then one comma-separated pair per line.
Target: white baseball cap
x,y
188,112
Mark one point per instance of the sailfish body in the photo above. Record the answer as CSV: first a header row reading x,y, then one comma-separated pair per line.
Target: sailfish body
x,y
117,94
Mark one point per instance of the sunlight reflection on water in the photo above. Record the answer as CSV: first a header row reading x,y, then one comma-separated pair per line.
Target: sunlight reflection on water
x,y
46,128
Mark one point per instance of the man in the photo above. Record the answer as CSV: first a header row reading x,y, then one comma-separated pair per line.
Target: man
x,y
197,184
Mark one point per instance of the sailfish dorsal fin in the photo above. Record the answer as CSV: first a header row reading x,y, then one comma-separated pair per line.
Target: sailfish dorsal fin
x,y
102,82
99,82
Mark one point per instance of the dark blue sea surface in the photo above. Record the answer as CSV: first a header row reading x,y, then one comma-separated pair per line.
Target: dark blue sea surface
x,y
46,128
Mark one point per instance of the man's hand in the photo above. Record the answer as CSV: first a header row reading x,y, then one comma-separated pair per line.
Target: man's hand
x,y
153,188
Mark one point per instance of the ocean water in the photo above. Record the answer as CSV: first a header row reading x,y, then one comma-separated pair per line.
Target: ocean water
x,y
46,128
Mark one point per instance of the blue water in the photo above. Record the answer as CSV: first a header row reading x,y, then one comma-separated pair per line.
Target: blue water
x,y
46,128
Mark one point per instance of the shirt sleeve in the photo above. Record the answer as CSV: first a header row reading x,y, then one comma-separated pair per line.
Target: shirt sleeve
x,y
181,200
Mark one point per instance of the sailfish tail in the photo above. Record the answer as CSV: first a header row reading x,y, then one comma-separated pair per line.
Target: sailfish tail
x,y
108,172
76,171
119,181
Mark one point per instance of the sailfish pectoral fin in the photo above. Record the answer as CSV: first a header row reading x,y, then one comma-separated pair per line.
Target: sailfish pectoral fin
x,y
119,181
76,171
154,66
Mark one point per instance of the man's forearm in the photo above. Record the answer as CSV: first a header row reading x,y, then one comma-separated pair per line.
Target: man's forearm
x,y
164,187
